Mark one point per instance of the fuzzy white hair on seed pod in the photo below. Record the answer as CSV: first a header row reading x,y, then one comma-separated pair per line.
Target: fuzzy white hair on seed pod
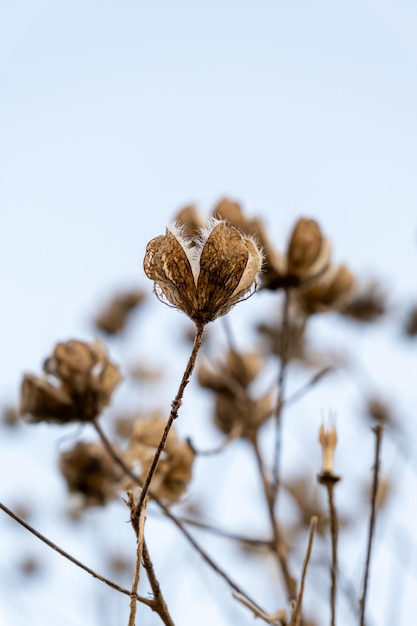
x,y
192,253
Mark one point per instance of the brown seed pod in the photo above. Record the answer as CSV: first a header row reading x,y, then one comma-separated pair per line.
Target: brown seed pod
x,y
207,279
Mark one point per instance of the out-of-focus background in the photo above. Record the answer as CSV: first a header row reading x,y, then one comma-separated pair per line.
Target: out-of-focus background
x,y
114,115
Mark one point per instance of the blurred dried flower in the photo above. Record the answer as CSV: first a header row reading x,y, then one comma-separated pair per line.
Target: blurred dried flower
x,y
240,369
207,279
308,252
366,304
383,494
90,472
191,221
379,411
293,341
78,383
242,413
29,566
10,416
410,325
113,318
330,292
174,470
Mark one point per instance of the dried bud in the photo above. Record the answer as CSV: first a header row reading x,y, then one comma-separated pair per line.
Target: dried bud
x,y
205,280
174,470
90,472
113,318
308,253
330,292
78,383
328,441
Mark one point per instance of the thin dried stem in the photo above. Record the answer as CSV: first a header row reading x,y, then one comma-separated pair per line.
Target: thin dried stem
x,y
270,618
176,403
279,546
278,413
296,616
69,557
139,550
378,430
160,605
206,558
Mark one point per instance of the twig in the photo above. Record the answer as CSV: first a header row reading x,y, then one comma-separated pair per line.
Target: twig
x,y
160,605
206,558
329,480
280,617
139,550
296,616
281,383
172,416
279,545
68,556
378,430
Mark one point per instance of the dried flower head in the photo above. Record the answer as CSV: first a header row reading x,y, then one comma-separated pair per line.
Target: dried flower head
x,y
367,303
77,384
203,277
90,472
308,253
174,470
242,413
113,317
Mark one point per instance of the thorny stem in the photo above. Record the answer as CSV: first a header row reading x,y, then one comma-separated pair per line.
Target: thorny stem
x,y
378,430
279,545
296,616
68,556
280,402
176,403
173,519
139,550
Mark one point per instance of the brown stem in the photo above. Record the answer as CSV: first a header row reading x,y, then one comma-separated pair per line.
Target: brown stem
x,y
285,338
206,558
68,556
279,545
334,531
176,403
378,430
296,616
139,550
160,605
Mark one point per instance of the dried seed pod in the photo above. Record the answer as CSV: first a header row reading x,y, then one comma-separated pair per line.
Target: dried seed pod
x,y
329,292
90,472
273,267
245,413
113,318
308,252
78,383
239,369
205,280
174,470
367,303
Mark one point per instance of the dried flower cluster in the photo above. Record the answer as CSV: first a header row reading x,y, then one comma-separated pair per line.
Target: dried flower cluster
x,y
77,384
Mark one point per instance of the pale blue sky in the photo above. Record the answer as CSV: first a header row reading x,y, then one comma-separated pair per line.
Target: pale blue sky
x,y
114,114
